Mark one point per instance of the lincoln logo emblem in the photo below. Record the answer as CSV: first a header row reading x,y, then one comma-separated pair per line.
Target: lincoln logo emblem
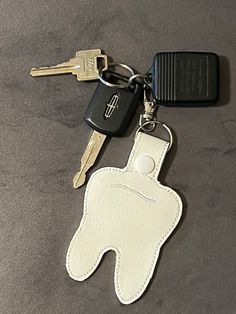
x,y
111,105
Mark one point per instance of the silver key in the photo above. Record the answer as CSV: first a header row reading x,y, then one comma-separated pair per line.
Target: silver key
x,y
88,159
85,66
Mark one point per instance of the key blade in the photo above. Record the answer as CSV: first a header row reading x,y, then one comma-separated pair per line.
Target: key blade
x,y
88,159
74,66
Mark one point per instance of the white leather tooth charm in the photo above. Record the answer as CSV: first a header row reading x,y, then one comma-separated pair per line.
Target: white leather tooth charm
x,y
129,211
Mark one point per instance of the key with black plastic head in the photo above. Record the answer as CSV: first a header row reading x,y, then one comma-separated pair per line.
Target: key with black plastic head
x,y
185,78
108,113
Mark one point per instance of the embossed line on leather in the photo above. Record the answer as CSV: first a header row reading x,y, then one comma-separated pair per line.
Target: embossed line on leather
x,y
127,188
151,146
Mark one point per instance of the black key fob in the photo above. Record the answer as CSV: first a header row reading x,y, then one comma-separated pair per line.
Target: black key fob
x,y
185,78
111,108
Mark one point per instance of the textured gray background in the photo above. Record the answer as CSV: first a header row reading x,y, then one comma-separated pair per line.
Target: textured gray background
x,y
42,137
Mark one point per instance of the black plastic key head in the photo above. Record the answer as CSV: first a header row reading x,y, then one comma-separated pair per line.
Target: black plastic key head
x,y
111,108
185,78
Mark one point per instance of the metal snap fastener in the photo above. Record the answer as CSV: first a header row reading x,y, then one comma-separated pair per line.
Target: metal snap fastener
x,y
144,164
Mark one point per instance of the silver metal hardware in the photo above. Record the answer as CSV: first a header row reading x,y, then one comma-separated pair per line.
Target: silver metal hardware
x,y
112,65
149,110
134,77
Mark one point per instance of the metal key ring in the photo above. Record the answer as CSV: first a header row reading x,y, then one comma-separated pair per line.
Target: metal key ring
x,y
154,122
121,65
138,75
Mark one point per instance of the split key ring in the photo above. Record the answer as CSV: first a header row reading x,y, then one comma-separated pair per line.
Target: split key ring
x,y
130,81
116,64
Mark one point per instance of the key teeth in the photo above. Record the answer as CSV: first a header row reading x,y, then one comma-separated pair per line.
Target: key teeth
x,y
78,180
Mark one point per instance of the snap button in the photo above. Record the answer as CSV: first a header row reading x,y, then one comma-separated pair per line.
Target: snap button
x,y
144,164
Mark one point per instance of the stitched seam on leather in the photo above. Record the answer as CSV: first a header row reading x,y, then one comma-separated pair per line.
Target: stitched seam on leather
x,y
127,188
156,251
158,168
134,151
100,254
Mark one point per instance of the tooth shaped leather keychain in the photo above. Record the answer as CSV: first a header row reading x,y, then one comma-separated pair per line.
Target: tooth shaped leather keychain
x,y
129,211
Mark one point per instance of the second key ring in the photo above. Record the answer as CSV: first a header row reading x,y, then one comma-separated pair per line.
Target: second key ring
x,y
112,65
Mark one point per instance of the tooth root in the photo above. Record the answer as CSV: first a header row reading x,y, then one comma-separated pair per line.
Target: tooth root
x,y
136,265
81,262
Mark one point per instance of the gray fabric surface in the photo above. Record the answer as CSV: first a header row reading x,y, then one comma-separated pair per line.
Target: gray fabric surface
x,y
42,137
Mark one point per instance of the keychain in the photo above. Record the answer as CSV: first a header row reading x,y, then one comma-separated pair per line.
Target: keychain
x,y
128,210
